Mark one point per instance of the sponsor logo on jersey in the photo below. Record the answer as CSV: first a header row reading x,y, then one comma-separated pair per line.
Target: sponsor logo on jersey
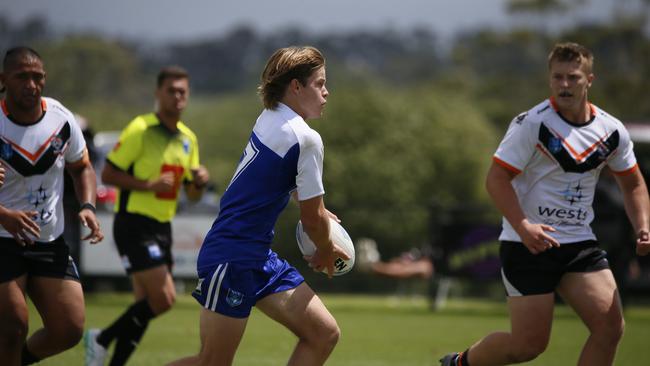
x,y
543,109
520,118
603,152
6,151
186,146
57,145
234,298
562,213
554,145
573,193
37,196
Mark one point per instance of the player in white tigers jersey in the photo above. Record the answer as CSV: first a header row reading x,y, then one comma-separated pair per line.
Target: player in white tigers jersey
x,y
35,156
543,180
38,139
557,164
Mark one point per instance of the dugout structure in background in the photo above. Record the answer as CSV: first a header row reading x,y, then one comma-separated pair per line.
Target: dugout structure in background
x,y
465,242
465,249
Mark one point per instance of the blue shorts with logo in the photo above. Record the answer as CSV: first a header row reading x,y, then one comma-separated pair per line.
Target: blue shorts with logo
x,y
233,288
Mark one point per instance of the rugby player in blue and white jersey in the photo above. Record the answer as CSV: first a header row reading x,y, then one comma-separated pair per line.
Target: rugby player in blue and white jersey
x,y
39,138
543,180
237,268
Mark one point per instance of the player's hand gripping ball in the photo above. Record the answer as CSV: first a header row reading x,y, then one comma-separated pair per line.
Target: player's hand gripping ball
x,y
339,236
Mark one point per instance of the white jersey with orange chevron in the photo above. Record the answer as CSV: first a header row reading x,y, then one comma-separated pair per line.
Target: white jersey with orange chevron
x,y
558,164
34,157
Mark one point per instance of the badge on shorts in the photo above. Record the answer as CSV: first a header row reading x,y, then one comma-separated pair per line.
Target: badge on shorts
x,y
198,290
154,251
234,298
125,262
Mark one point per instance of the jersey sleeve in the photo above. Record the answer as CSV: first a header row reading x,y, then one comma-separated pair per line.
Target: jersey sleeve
x,y
129,146
77,144
518,145
623,159
309,179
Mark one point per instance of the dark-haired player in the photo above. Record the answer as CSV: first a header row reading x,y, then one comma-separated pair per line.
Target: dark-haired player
x,y
156,155
39,138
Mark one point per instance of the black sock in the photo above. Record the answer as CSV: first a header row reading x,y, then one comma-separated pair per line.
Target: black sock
x,y
127,343
27,357
463,358
140,312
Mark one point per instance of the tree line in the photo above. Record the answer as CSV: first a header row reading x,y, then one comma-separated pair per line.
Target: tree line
x,y
410,125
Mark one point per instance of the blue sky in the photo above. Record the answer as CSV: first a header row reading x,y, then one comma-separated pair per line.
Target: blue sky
x,y
178,20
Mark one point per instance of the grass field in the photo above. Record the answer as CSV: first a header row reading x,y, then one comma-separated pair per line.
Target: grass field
x,y
376,331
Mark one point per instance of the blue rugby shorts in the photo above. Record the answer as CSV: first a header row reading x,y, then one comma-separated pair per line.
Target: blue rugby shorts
x,y
233,288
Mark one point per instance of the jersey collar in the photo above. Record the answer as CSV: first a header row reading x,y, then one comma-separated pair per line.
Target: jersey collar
x,y
5,110
164,128
286,111
592,113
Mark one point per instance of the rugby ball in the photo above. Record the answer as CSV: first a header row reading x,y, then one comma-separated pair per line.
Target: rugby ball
x,y
339,236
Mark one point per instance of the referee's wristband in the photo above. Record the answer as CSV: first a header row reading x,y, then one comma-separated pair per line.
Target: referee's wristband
x,y
88,206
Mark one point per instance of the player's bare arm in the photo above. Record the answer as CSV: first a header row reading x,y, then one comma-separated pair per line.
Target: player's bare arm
x,y
121,179
534,236
315,220
200,177
637,207
85,185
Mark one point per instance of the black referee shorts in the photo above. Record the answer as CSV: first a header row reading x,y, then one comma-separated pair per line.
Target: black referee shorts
x,y
142,242
525,273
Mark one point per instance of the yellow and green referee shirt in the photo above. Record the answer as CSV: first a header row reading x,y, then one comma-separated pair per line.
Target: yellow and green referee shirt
x,y
145,150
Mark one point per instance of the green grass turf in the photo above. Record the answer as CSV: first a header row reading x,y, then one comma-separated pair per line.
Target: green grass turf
x,y
376,331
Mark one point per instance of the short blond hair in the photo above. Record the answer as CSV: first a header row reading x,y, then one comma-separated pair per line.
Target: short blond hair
x,y
572,52
285,65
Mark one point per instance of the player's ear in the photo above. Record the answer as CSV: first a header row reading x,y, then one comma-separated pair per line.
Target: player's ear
x,y
295,85
590,79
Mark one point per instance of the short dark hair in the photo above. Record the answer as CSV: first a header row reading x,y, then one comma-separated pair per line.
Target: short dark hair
x,y
171,72
572,52
14,54
285,65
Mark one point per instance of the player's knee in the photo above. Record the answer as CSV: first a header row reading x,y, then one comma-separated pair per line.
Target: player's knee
x,y
329,336
13,330
162,303
68,336
610,332
528,351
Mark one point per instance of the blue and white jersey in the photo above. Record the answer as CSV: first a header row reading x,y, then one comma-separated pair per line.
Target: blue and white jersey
x,y
283,154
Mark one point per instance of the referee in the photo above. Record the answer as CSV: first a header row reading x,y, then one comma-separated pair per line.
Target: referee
x,y
156,154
